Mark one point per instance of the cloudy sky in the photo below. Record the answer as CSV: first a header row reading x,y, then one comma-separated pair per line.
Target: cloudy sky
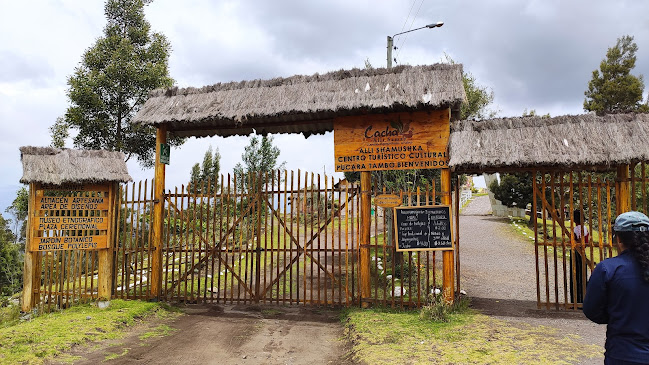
x,y
532,54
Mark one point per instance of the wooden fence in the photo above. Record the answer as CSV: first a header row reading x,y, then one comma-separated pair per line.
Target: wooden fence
x,y
285,237
563,262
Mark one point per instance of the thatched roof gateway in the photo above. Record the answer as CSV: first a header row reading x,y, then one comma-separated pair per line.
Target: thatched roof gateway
x,y
567,141
56,166
304,104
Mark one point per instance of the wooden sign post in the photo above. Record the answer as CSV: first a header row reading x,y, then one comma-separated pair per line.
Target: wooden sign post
x,y
395,141
69,217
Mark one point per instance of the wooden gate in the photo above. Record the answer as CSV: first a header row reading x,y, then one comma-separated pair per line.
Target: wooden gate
x,y
563,262
285,237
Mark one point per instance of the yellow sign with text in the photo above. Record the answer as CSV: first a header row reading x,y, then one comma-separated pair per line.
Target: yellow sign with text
x,y
396,141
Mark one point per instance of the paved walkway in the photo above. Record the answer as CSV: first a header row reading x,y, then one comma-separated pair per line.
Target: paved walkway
x,y
498,273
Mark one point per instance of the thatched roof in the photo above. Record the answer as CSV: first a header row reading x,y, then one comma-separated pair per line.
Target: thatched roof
x,y
56,166
305,104
566,141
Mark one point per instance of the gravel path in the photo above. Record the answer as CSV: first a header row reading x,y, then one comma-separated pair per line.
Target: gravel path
x,y
498,273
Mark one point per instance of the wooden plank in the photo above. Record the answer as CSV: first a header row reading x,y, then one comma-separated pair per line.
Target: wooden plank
x,y
67,223
536,239
70,243
31,256
448,278
396,141
78,203
364,259
158,216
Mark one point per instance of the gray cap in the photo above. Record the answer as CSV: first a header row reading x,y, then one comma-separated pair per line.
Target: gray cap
x,y
631,221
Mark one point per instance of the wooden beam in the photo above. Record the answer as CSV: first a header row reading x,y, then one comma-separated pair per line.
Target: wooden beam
x,y
448,259
623,189
366,221
158,215
31,257
105,256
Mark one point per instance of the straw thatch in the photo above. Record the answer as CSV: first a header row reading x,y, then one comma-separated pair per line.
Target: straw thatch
x,y
567,141
56,166
304,104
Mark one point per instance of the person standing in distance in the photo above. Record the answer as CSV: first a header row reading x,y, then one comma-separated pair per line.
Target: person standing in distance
x,y
617,293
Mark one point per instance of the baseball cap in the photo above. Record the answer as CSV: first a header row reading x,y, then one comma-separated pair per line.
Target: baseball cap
x,y
631,221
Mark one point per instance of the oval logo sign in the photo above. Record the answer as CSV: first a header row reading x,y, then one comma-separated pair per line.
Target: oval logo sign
x,y
387,200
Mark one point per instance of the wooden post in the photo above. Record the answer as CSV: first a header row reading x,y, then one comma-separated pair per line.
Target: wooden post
x,y
448,285
364,260
158,216
624,188
105,256
31,257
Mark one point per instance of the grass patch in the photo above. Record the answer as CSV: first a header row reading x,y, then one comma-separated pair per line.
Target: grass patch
x,y
115,356
381,336
160,331
49,335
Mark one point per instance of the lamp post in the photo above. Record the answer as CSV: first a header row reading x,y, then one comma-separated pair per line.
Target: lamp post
x,y
391,39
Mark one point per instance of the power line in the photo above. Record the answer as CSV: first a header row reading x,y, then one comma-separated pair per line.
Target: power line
x,y
411,23
408,17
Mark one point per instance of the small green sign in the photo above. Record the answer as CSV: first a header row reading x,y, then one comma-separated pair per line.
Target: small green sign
x,y
165,151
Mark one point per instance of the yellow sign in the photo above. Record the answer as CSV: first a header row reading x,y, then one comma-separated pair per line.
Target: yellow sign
x,y
71,243
397,141
71,203
388,200
70,223
71,217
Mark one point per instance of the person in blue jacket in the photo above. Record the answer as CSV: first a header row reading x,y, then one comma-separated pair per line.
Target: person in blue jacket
x,y
618,293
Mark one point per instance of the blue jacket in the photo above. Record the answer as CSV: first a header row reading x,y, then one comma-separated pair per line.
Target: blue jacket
x,y
617,295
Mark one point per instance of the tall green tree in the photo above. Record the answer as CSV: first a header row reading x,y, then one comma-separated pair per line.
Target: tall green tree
x,y
259,156
10,261
112,82
18,210
205,177
613,89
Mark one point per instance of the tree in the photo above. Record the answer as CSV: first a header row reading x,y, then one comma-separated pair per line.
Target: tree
x,y
260,156
10,261
111,83
479,98
19,209
205,177
612,88
514,190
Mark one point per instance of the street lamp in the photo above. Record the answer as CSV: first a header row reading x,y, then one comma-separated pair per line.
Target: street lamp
x,y
391,39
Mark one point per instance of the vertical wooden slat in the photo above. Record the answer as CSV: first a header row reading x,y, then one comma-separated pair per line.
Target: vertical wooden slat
x,y
231,202
269,196
419,256
545,240
608,218
600,230
553,188
573,247
284,238
219,233
297,235
633,183
448,268
347,270
644,187
536,239
582,241
457,236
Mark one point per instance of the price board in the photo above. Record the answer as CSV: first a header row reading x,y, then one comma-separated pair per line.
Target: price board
x,y
423,228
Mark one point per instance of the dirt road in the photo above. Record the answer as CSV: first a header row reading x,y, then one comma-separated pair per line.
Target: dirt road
x,y
498,273
233,335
